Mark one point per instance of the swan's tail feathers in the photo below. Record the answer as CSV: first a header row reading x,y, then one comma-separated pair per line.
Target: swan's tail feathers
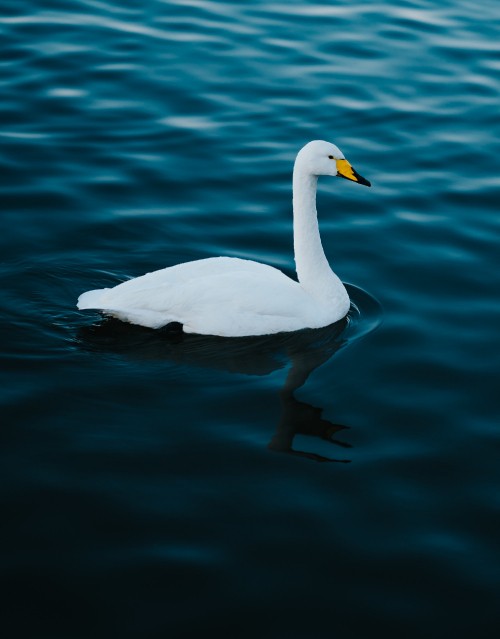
x,y
91,299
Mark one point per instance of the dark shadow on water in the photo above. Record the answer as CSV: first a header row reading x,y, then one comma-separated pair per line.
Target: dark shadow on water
x,y
303,350
300,418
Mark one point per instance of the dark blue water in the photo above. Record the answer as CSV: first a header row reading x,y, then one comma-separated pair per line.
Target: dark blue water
x,y
320,484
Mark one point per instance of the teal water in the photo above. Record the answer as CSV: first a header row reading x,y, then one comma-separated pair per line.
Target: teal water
x,y
319,484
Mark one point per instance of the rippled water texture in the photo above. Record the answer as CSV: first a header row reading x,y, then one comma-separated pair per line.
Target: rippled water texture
x,y
321,484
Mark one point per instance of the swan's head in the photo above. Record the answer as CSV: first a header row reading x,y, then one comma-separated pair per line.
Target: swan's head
x,y
324,158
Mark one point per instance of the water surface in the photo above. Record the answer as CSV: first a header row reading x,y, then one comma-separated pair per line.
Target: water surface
x,y
310,485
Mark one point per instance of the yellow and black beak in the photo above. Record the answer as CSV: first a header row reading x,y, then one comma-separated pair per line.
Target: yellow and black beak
x,y
345,170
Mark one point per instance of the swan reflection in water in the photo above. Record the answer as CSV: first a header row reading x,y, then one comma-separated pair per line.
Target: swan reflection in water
x,y
304,351
300,418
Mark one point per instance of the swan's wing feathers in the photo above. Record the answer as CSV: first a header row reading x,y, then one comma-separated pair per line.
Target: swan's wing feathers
x,y
218,296
191,283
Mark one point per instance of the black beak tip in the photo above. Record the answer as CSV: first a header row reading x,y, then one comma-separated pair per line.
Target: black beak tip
x,y
361,179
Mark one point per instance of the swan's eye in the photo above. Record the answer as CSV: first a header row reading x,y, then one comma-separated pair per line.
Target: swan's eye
x,y
330,157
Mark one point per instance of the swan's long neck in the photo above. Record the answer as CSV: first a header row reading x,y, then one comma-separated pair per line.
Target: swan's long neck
x,y
313,271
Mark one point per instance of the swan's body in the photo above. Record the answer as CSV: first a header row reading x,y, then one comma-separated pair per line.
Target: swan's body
x,y
232,297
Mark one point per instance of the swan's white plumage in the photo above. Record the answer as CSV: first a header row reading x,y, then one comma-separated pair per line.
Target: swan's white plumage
x,y
233,297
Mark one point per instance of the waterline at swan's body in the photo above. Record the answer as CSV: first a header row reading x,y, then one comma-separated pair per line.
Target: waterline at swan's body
x,y
232,297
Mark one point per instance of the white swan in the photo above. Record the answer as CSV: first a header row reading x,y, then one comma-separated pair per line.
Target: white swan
x,y
233,297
